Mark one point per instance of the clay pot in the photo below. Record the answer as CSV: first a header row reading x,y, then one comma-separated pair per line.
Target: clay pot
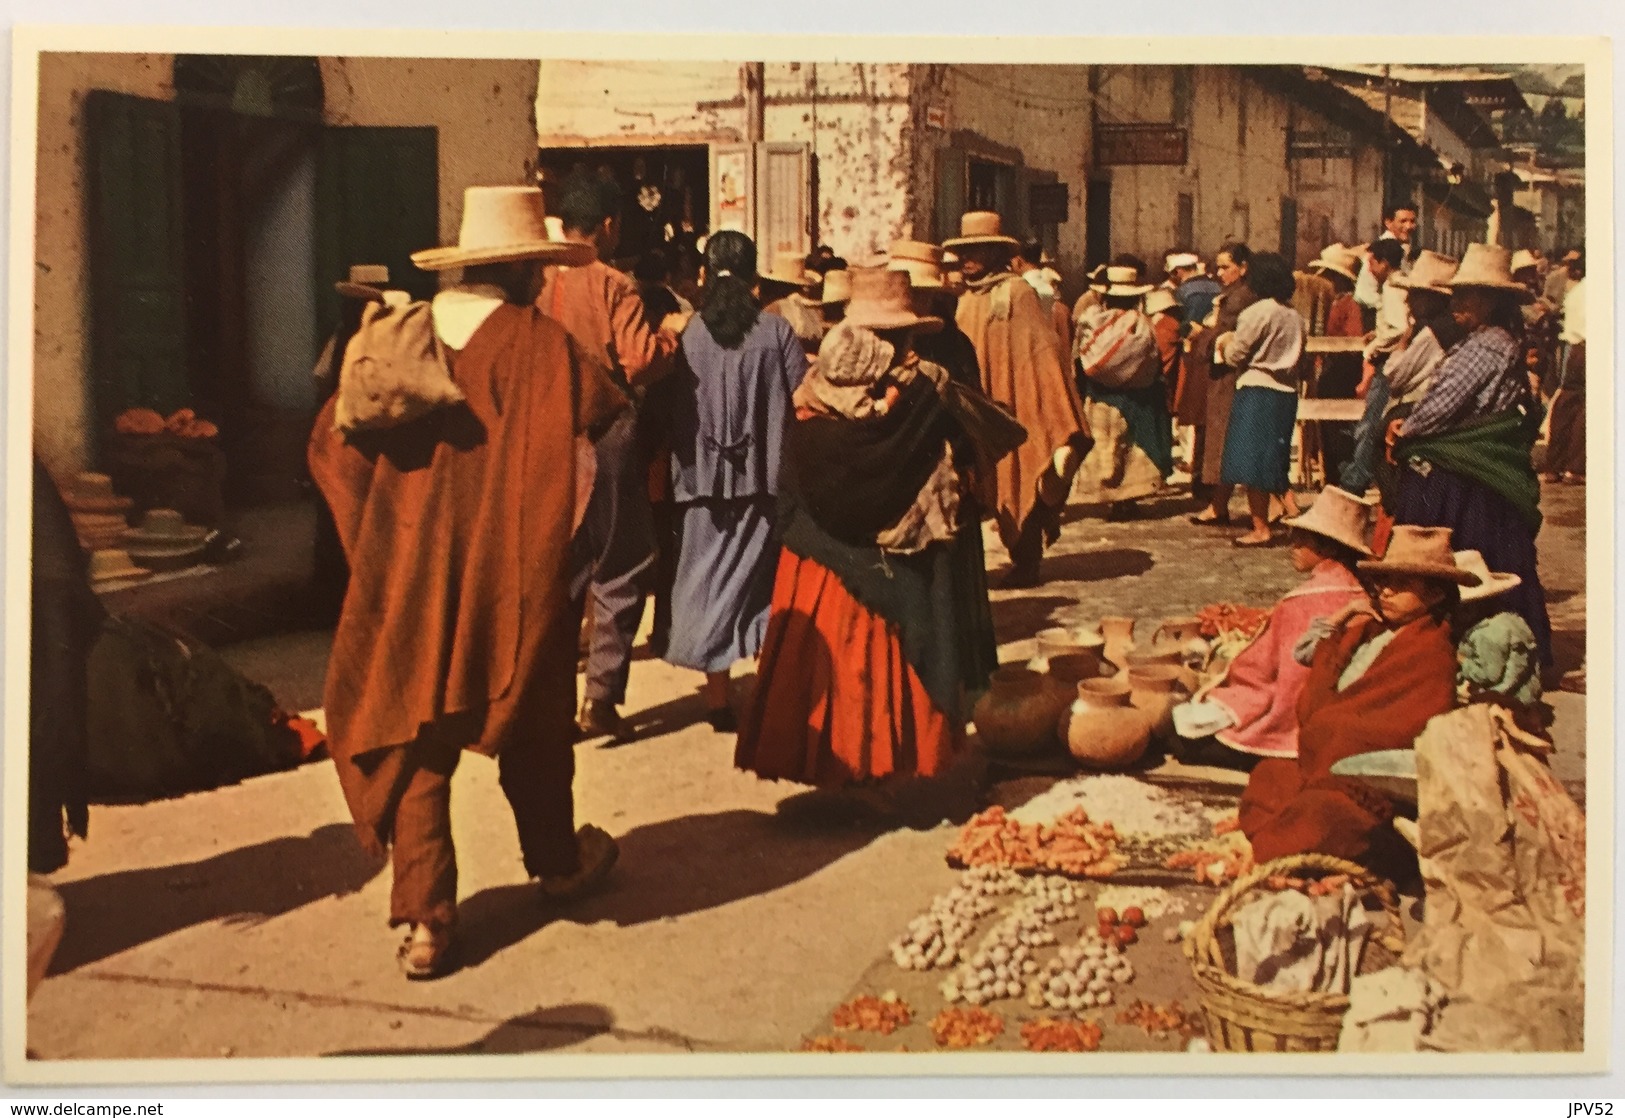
x,y
1166,655
1117,634
1064,642
1102,728
1156,689
1184,633
1017,714
1068,670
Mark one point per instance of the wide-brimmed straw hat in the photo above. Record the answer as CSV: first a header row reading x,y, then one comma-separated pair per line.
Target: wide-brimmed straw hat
x,y
90,492
367,282
1414,550
1339,516
1490,583
1097,279
161,528
1488,268
981,227
1431,272
1160,300
789,269
112,564
922,262
1122,281
880,301
837,286
1176,260
502,224
1522,259
1338,258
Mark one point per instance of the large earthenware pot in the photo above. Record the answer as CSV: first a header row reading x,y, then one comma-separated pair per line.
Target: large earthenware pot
x,y
1156,689
1186,634
1017,713
1063,642
1102,728
1118,636
1068,670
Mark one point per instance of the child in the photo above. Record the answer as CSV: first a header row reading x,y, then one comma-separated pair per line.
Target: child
x,y
1388,667
1497,658
1253,711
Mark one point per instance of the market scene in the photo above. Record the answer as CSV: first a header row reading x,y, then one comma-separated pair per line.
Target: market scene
x,y
924,558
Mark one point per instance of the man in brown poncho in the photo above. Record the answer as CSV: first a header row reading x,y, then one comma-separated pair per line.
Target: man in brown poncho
x,y
1024,368
457,630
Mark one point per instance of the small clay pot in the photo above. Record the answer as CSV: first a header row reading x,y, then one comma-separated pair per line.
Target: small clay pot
x,y
1017,714
1155,656
1102,728
1063,642
1156,689
1184,633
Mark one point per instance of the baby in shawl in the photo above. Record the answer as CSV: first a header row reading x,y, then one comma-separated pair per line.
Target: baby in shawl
x,y
1497,658
1252,711
1387,669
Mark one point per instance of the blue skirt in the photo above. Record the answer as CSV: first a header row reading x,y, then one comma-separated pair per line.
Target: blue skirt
x,y
726,558
1258,442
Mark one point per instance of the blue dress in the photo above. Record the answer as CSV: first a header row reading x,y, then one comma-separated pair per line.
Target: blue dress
x,y
728,413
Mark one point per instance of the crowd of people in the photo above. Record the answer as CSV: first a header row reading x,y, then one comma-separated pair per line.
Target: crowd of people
x,y
798,471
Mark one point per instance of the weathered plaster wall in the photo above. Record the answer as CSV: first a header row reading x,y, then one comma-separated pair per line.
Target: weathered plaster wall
x,y
62,405
483,109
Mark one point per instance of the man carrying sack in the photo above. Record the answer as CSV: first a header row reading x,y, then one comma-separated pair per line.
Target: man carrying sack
x,y
457,630
1023,368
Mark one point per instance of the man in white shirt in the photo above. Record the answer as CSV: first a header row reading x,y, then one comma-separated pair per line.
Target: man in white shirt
x,y
1393,329
1399,224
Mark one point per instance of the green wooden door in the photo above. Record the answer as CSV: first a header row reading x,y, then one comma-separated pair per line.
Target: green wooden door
x,y
136,233
377,202
951,169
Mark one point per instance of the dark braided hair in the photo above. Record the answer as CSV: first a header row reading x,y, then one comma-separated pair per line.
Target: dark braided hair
x,y
730,309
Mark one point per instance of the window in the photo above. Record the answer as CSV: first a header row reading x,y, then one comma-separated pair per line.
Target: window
x,y
991,186
1184,80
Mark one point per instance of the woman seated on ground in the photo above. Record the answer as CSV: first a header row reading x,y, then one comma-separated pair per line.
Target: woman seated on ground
x,y
866,668
1252,712
1387,668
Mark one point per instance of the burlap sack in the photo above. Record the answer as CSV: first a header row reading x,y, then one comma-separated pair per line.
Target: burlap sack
x,y
1502,850
394,371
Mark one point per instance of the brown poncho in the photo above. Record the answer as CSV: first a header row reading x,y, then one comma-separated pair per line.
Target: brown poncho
x,y
457,528
1023,368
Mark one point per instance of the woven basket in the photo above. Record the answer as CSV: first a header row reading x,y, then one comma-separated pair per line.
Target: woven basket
x,y
1243,1017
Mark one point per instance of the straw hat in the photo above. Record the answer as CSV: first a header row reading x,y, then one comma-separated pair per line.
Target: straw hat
x,y
500,224
880,301
1414,550
922,262
164,528
1431,272
1160,300
981,227
1490,583
1339,516
367,282
1522,259
1338,258
1488,267
110,564
1177,260
790,269
1097,279
94,493
1124,281
837,286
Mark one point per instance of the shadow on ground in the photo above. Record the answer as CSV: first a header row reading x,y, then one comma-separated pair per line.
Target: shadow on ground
x,y
541,1030
117,911
1097,566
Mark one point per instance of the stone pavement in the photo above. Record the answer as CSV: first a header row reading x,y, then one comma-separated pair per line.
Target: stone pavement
x,y
246,922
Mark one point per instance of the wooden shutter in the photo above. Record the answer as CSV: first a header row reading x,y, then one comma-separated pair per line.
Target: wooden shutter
x,y
136,238
951,171
1289,231
377,202
733,189
783,202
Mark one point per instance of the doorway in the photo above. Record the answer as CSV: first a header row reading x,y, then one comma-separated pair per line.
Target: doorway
x,y
665,194
1097,209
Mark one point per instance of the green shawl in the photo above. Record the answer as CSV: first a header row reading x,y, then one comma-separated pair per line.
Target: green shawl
x,y
1494,452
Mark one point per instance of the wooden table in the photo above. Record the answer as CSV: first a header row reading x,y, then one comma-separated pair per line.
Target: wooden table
x,y
1314,410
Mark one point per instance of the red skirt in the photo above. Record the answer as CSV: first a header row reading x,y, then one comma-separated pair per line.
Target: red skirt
x,y
835,701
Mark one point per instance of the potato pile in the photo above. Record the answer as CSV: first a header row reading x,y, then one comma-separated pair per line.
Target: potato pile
x,y
1072,845
1004,960
1081,977
937,938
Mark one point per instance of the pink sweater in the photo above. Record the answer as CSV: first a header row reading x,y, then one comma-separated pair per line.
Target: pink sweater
x,y
1261,687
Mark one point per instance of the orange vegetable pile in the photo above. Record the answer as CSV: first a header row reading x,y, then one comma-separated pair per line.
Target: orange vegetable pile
x,y
872,1015
1161,1021
1048,1034
1313,886
1072,845
966,1028
829,1044
1215,861
145,421
1228,618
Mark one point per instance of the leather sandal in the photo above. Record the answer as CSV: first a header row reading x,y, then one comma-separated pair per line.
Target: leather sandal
x,y
425,952
598,855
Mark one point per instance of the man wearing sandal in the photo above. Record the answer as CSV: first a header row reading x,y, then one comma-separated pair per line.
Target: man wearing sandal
x,y
457,631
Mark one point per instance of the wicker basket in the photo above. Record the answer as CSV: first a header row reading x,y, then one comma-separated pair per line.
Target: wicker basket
x,y
1243,1017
